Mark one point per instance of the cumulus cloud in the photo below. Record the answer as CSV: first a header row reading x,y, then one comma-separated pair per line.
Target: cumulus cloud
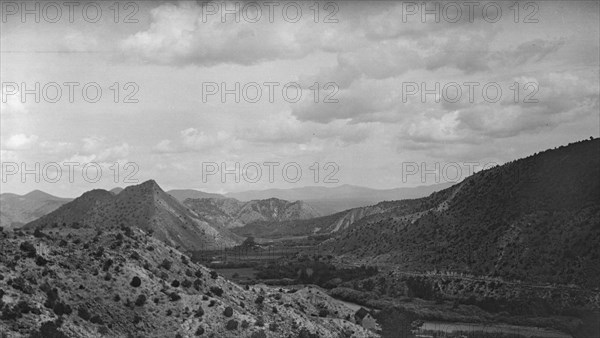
x,y
20,142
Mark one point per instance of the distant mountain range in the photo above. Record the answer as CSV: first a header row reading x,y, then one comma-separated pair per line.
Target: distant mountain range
x,y
183,194
329,200
17,210
145,206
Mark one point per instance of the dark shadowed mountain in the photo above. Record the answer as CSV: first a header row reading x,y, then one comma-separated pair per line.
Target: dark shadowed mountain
x,y
335,199
231,213
17,210
183,194
145,206
535,219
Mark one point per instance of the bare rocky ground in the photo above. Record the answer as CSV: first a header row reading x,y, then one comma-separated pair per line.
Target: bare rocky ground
x,y
66,282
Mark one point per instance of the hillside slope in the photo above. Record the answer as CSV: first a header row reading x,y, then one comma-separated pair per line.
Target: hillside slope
x,y
83,282
145,206
535,219
17,210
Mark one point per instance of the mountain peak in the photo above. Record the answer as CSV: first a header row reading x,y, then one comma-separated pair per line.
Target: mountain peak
x,y
38,195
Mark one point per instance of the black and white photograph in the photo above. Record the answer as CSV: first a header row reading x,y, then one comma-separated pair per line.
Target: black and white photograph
x,y
299,169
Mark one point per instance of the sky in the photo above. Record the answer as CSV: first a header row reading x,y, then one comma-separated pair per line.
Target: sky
x,y
376,94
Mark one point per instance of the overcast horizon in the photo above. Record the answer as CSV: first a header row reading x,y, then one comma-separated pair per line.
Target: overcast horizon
x,y
371,124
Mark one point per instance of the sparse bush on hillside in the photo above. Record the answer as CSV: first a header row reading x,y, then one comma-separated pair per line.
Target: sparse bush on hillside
x,y
186,283
28,248
232,324
48,330
200,331
175,283
166,264
136,282
199,312
97,320
259,300
198,273
174,296
83,312
228,311
273,327
141,300
259,334
216,290
213,274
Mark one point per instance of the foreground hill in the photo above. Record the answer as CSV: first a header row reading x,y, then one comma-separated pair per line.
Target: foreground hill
x,y
231,213
335,199
145,206
535,219
17,210
84,282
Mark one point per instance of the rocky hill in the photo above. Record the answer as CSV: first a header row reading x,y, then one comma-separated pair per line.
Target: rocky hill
x,y
17,210
122,282
232,213
534,219
145,206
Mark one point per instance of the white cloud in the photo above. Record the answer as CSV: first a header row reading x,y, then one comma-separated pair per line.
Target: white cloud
x,y
20,142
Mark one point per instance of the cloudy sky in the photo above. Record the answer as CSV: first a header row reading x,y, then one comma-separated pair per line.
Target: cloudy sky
x,y
369,60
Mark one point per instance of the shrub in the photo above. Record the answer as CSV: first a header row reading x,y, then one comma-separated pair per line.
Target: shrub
x,y
117,298
323,313
48,330
40,261
186,283
259,334
273,327
200,331
61,308
259,322
166,264
28,248
107,277
136,282
232,324
213,274
107,264
197,284
83,312
199,312
245,324
216,290
174,296
141,300
228,311
175,283
259,300
97,320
